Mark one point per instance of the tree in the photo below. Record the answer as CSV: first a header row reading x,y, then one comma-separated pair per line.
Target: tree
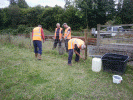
x,y
70,17
50,16
22,4
96,11
67,4
1,19
12,2
5,18
126,12
14,13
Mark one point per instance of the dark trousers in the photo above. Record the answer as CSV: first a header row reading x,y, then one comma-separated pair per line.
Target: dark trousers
x,y
66,44
57,40
37,45
71,54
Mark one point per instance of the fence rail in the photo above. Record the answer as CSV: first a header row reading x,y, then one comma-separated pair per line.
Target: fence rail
x,y
116,25
121,43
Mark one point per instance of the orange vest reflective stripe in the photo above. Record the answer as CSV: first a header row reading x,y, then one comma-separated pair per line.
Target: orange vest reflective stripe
x,y
72,42
60,35
37,34
65,34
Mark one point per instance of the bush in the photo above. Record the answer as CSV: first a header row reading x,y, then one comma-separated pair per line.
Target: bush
x,y
28,30
14,32
21,28
6,31
118,20
78,33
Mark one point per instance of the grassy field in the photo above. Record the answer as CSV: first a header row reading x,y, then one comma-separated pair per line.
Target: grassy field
x,y
22,77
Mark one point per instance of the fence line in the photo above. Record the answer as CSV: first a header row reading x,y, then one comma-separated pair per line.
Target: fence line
x,y
120,41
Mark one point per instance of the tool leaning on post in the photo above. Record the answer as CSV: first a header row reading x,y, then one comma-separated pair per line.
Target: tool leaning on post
x,y
37,36
75,45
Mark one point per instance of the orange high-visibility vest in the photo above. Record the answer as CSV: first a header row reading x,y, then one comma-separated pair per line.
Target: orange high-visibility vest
x,y
65,34
72,42
37,34
60,35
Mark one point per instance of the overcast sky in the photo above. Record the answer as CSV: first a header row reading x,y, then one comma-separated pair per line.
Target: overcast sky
x,y
32,3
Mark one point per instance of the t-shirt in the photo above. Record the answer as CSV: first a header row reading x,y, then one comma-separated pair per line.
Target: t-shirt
x,y
76,47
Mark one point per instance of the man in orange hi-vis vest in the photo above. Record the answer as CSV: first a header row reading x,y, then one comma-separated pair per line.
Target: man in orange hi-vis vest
x,y
37,37
75,45
67,35
58,35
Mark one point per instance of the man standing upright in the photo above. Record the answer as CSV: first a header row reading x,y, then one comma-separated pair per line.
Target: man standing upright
x,y
67,35
37,36
58,35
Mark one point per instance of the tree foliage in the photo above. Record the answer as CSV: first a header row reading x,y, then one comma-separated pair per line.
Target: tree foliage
x,y
78,14
22,4
125,13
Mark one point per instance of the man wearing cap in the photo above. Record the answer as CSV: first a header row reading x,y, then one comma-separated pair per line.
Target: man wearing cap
x,y
37,37
67,35
58,35
75,45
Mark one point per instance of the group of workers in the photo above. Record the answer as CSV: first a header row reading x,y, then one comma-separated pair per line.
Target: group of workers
x,y
71,44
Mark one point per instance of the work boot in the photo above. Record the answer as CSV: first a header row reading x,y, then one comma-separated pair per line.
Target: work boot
x,y
77,61
36,54
39,57
69,64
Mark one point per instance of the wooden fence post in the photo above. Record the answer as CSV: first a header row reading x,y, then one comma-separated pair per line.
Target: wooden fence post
x,y
86,43
30,40
98,38
9,38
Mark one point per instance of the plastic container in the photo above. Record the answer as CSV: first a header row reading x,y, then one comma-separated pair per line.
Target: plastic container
x,y
114,63
117,79
96,64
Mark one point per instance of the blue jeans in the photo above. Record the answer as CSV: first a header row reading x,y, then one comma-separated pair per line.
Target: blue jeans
x,y
70,52
57,40
37,45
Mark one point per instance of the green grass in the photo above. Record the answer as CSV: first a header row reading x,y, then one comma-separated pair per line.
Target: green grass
x,y
22,77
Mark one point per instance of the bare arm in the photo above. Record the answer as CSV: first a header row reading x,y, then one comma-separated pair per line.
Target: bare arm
x,y
77,53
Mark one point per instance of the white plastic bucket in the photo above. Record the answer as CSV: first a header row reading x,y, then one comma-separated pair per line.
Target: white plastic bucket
x,y
96,64
117,79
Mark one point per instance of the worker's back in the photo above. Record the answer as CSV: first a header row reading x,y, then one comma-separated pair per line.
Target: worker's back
x,y
37,33
72,42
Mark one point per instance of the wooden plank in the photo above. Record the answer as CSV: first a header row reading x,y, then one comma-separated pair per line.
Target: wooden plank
x,y
116,32
98,37
86,42
117,25
91,41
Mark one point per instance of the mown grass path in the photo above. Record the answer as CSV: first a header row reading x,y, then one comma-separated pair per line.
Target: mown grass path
x,y
22,77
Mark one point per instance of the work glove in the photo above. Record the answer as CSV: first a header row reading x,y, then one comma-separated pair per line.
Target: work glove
x,y
61,39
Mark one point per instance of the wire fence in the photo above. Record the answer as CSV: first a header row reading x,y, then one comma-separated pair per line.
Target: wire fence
x,y
120,41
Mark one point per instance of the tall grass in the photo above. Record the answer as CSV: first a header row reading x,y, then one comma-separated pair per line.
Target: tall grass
x,y
24,78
